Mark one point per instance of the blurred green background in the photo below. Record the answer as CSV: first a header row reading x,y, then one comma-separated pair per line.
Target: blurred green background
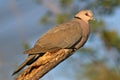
x,y
23,21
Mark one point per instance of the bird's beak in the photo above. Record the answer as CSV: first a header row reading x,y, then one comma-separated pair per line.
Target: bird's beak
x,y
92,18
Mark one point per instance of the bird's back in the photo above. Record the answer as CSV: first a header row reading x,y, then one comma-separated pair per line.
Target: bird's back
x,y
63,36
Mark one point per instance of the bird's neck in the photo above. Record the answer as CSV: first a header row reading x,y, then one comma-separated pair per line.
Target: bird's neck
x,y
84,25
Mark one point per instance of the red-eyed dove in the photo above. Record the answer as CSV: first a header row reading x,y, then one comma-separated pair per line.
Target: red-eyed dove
x,y
69,35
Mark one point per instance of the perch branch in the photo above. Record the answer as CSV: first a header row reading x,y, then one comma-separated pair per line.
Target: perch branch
x,y
44,64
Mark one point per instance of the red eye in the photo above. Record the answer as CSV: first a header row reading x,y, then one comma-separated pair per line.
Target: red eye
x,y
86,14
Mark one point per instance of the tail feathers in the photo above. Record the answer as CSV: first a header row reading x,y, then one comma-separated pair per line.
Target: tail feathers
x,y
19,68
26,62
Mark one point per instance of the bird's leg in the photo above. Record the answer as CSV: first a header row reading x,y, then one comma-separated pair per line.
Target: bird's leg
x,y
80,44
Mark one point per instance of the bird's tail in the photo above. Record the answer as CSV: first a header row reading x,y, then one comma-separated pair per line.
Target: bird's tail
x,y
30,59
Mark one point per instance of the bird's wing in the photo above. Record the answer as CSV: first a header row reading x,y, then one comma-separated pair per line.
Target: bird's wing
x,y
63,36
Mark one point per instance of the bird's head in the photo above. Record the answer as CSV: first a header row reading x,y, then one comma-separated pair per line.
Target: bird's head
x,y
85,15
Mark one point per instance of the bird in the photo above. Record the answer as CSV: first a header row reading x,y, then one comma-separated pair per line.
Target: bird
x,y
69,35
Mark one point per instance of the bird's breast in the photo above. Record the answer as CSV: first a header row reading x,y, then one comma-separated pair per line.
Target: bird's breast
x,y
85,29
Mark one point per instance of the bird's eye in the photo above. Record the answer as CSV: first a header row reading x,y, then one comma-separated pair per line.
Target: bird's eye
x,y
86,14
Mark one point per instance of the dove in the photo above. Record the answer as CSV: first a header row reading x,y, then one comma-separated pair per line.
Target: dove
x,y
70,35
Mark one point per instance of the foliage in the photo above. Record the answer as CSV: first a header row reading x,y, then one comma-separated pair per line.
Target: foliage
x,y
111,39
104,6
60,18
65,3
25,46
97,26
46,18
98,71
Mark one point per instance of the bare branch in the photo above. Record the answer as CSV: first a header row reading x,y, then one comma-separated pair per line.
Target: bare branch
x,y
44,64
